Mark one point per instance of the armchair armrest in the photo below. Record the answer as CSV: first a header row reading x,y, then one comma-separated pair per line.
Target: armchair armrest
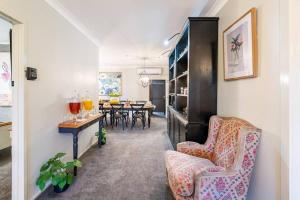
x,y
194,149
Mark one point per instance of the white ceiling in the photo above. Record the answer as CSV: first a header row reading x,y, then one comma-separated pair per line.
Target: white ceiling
x,y
128,30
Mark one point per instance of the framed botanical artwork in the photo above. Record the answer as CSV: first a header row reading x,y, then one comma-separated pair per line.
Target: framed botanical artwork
x,y
240,48
110,83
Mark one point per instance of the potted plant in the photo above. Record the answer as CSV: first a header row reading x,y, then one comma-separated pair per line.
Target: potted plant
x,y
103,136
57,172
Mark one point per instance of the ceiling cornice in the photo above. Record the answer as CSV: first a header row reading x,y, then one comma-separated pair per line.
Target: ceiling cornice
x,y
213,7
58,7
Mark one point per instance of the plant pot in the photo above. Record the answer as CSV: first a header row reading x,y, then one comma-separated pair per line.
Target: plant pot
x,y
57,189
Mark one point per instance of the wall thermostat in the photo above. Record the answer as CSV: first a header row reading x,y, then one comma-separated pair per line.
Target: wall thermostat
x,y
31,73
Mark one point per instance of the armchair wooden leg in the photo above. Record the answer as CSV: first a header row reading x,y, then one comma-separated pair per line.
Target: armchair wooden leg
x,y
167,179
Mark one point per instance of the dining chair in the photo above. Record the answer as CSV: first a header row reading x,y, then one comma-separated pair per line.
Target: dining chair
x,y
118,114
141,102
125,111
104,112
138,112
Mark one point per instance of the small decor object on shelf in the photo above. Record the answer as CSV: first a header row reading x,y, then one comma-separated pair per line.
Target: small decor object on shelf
x,y
185,91
240,48
57,172
114,98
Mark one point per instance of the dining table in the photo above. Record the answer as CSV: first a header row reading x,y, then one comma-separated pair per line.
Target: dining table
x,y
149,108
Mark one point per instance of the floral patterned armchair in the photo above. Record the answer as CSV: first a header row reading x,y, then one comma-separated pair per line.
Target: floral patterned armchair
x,y
219,169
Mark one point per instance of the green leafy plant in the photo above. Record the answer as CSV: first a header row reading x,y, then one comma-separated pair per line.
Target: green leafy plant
x,y
103,135
57,172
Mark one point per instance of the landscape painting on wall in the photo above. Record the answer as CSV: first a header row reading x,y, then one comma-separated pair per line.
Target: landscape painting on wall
x,y
240,48
110,82
5,80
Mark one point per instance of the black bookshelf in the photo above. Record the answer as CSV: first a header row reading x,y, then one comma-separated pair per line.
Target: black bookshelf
x,y
193,67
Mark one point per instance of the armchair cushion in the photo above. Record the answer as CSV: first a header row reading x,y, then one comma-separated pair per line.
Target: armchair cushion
x,y
182,170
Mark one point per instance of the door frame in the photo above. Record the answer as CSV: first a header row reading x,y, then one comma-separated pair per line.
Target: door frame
x,y
166,93
19,145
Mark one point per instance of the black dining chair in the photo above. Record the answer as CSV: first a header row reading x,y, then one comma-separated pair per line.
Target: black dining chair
x,y
104,112
141,102
118,114
126,111
138,112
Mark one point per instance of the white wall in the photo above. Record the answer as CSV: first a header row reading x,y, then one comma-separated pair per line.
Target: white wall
x,y
130,88
294,82
257,100
66,60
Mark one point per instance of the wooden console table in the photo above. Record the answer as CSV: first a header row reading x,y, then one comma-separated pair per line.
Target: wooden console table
x,y
76,127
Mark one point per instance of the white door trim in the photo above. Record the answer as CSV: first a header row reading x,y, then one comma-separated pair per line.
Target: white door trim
x,y
19,145
19,164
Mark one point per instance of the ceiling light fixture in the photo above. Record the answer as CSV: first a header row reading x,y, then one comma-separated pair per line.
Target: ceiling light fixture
x,y
144,79
167,42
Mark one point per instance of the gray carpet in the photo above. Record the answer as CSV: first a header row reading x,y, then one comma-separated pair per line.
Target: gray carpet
x,y
129,167
5,174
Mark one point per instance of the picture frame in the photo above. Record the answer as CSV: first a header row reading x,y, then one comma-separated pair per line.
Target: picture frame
x,y
240,48
110,82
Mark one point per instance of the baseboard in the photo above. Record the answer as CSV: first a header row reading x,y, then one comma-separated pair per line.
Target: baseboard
x,y
35,196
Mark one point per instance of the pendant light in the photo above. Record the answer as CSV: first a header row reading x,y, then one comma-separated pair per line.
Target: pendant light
x,y
144,79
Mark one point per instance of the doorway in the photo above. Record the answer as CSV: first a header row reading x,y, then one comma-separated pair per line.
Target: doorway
x,y
157,95
5,109
13,102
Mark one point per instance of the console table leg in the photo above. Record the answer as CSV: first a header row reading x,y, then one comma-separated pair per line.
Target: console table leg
x,y
100,132
75,149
